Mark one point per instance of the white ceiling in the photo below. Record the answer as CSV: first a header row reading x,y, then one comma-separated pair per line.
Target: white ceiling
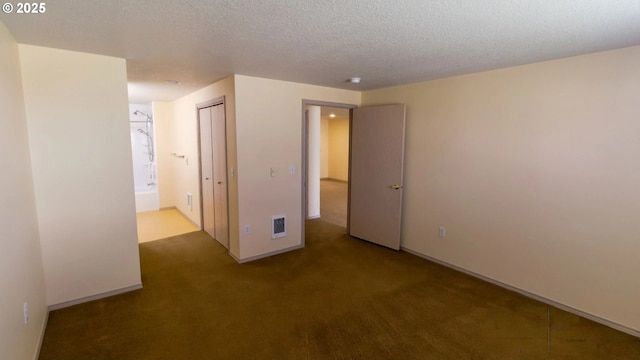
x,y
324,42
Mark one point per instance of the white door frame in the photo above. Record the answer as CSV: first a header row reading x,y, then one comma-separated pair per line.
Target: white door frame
x,y
202,105
305,154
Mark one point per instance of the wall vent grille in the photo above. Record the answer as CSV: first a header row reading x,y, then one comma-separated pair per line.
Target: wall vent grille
x,y
278,226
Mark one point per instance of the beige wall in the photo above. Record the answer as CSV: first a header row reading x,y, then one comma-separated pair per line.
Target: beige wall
x,y
339,149
78,123
21,274
248,100
162,112
183,130
269,135
534,171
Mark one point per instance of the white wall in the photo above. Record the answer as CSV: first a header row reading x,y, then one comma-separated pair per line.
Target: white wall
x,y
313,162
324,148
183,130
534,172
339,149
78,123
269,135
21,274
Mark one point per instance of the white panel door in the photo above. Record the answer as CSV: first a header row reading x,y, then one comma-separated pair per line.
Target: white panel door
x,y
375,182
206,171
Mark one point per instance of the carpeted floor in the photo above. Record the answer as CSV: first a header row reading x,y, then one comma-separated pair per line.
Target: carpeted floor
x,y
338,298
333,201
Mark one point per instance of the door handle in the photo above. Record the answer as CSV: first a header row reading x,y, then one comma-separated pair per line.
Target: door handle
x,y
396,187
219,182
206,178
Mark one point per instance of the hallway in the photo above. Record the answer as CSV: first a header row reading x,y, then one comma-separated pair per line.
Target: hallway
x,y
333,201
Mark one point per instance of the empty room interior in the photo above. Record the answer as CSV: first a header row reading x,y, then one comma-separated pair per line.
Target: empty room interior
x,y
304,180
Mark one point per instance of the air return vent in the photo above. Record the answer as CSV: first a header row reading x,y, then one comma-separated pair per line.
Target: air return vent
x,y
278,226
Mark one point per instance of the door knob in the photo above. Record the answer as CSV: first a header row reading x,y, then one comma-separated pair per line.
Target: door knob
x,y
396,187
206,178
219,182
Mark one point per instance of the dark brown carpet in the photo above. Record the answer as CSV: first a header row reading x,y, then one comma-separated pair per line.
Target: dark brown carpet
x,y
333,201
339,298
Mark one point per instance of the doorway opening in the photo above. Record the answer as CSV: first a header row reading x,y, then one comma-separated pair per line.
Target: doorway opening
x,y
153,222
326,134
334,164
143,155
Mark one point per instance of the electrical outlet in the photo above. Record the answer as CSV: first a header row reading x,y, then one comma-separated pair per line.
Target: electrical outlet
x,y
25,311
273,172
247,229
292,170
443,232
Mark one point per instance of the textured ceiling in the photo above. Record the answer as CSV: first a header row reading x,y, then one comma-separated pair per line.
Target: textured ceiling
x,y
324,42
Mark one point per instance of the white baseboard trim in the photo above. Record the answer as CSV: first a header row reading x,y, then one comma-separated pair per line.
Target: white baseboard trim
x,y
282,251
313,217
528,294
42,331
94,297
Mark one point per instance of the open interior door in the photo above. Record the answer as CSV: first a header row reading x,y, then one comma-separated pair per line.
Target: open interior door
x,y
375,181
